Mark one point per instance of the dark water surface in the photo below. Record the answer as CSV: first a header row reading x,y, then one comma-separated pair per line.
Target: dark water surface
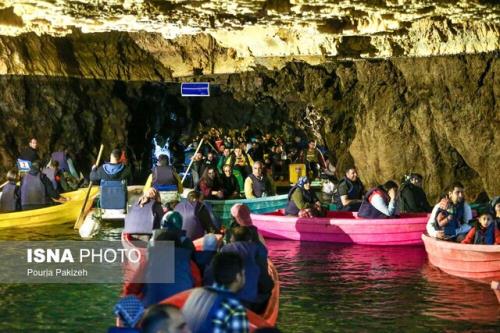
x,y
324,288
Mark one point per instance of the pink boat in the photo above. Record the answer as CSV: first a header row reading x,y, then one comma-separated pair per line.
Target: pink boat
x,y
474,262
343,227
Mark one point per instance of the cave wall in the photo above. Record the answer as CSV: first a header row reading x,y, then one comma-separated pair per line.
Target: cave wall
x,y
82,113
438,116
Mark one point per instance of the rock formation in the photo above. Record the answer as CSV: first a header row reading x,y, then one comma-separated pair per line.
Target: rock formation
x,y
438,116
389,87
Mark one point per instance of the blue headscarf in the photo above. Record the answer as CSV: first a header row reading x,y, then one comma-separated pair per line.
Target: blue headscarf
x,y
302,181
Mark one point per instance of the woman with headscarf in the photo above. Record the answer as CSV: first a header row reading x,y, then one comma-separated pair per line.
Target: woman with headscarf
x,y
302,200
241,217
210,185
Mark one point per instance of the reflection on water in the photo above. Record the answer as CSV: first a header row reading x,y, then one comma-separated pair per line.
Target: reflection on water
x,y
352,288
325,288
454,299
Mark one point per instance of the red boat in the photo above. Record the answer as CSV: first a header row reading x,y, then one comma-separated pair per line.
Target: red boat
x,y
495,285
474,262
266,319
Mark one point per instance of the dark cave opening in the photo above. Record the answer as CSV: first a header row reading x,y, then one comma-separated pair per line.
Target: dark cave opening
x,y
158,112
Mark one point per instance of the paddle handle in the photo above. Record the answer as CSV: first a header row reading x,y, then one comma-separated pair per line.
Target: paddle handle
x,y
213,148
192,159
79,221
1,186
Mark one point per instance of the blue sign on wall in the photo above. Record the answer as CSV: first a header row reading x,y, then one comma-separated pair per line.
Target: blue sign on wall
x,y
195,89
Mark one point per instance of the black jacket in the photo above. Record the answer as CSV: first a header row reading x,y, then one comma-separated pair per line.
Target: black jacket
x,y
413,199
29,154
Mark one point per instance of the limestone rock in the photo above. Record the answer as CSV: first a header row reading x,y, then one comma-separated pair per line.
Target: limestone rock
x,y
438,116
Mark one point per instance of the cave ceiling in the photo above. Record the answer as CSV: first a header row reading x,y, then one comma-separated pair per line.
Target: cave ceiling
x,y
307,30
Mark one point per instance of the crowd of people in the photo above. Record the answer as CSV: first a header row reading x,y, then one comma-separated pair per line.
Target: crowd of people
x,y
40,186
452,219
232,164
37,183
231,271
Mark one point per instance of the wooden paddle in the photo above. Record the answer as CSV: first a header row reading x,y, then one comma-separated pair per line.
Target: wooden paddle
x,y
81,217
1,186
192,160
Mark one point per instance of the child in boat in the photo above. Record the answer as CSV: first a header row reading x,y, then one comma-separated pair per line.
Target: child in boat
x,y
450,217
443,215
483,232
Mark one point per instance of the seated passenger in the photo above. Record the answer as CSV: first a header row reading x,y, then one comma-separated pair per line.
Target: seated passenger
x,y
229,183
112,170
313,159
278,162
30,153
483,232
37,190
10,201
240,161
241,217
54,174
205,256
450,217
210,185
159,269
211,161
380,202
61,156
216,308
144,215
163,318
302,200
223,159
351,190
197,167
196,216
257,184
495,208
164,177
258,283
172,222
495,204
413,198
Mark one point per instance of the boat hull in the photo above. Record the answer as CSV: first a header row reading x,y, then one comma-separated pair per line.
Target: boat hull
x,y
59,214
267,319
222,208
343,227
474,262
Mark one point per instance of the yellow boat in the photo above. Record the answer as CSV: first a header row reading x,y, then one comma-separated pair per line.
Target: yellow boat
x,y
66,212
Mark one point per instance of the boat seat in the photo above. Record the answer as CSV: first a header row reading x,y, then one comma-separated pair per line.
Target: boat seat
x,y
113,194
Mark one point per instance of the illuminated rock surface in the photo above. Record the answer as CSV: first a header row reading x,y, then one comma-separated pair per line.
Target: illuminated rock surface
x,y
237,35
399,87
